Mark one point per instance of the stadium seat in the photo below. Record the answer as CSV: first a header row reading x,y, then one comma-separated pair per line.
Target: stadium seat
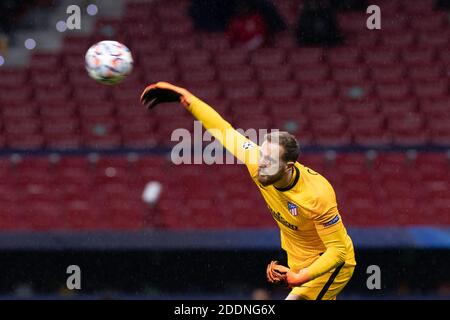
x,y
233,57
319,91
241,90
351,74
432,89
388,73
305,56
235,73
279,73
344,56
279,89
397,90
311,74
267,57
418,56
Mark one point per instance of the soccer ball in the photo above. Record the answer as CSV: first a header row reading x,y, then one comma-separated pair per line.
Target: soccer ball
x,y
108,62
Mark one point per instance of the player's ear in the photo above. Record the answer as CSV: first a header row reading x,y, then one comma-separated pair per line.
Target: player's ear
x,y
290,164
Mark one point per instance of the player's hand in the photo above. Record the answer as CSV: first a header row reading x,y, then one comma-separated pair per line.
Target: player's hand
x,y
274,273
162,92
279,274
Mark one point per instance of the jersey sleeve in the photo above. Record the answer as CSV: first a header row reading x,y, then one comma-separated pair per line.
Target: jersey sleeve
x,y
331,231
237,144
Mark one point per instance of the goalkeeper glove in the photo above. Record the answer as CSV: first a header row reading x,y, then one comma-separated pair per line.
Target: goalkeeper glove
x,y
162,92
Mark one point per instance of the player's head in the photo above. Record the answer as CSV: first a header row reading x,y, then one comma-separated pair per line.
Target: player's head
x,y
278,154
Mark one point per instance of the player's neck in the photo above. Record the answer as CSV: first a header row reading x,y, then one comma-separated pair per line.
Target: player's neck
x,y
286,180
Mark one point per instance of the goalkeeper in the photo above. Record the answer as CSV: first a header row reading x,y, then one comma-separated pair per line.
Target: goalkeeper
x,y
320,253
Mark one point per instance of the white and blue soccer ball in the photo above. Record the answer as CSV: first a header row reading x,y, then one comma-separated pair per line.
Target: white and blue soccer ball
x,y
108,62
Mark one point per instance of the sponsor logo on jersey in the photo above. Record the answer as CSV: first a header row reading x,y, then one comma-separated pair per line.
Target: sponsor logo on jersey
x,y
277,216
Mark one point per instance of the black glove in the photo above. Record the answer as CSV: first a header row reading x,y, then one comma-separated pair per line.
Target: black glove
x,y
155,94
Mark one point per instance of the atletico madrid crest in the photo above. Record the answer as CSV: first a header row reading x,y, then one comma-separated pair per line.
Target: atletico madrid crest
x,y
292,209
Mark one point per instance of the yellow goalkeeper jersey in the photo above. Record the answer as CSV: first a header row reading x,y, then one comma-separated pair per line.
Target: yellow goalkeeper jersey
x,y
311,228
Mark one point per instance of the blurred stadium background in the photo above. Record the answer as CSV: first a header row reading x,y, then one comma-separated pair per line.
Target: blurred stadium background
x,y
371,109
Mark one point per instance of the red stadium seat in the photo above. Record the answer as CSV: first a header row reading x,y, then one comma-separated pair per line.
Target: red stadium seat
x,y
44,61
426,73
433,39
429,22
235,73
373,124
402,39
214,42
430,90
181,44
394,24
57,109
267,57
396,108
179,28
364,108
409,123
60,125
388,73
197,58
203,74
332,124
311,74
335,140
410,139
280,89
398,90
319,91
241,90
364,41
248,107
352,74
381,56
323,108
435,107
63,141
206,90
233,57
418,56
111,141
25,141
23,111
344,56
305,56
419,7
279,73
373,139
18,126
159,60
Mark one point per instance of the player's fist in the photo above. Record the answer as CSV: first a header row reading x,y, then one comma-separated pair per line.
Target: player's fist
x,y
279,274
274,273
162,92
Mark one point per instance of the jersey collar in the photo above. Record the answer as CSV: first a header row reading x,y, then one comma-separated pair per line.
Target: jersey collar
x,y
289,187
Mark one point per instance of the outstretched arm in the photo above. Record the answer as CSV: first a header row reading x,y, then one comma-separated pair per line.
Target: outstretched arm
x,y
241,147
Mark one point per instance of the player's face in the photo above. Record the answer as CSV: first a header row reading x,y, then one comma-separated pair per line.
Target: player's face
x,y
271,167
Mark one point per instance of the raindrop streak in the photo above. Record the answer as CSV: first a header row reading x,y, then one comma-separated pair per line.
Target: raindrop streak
x,y
30,44
2,61
92,9
61,26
